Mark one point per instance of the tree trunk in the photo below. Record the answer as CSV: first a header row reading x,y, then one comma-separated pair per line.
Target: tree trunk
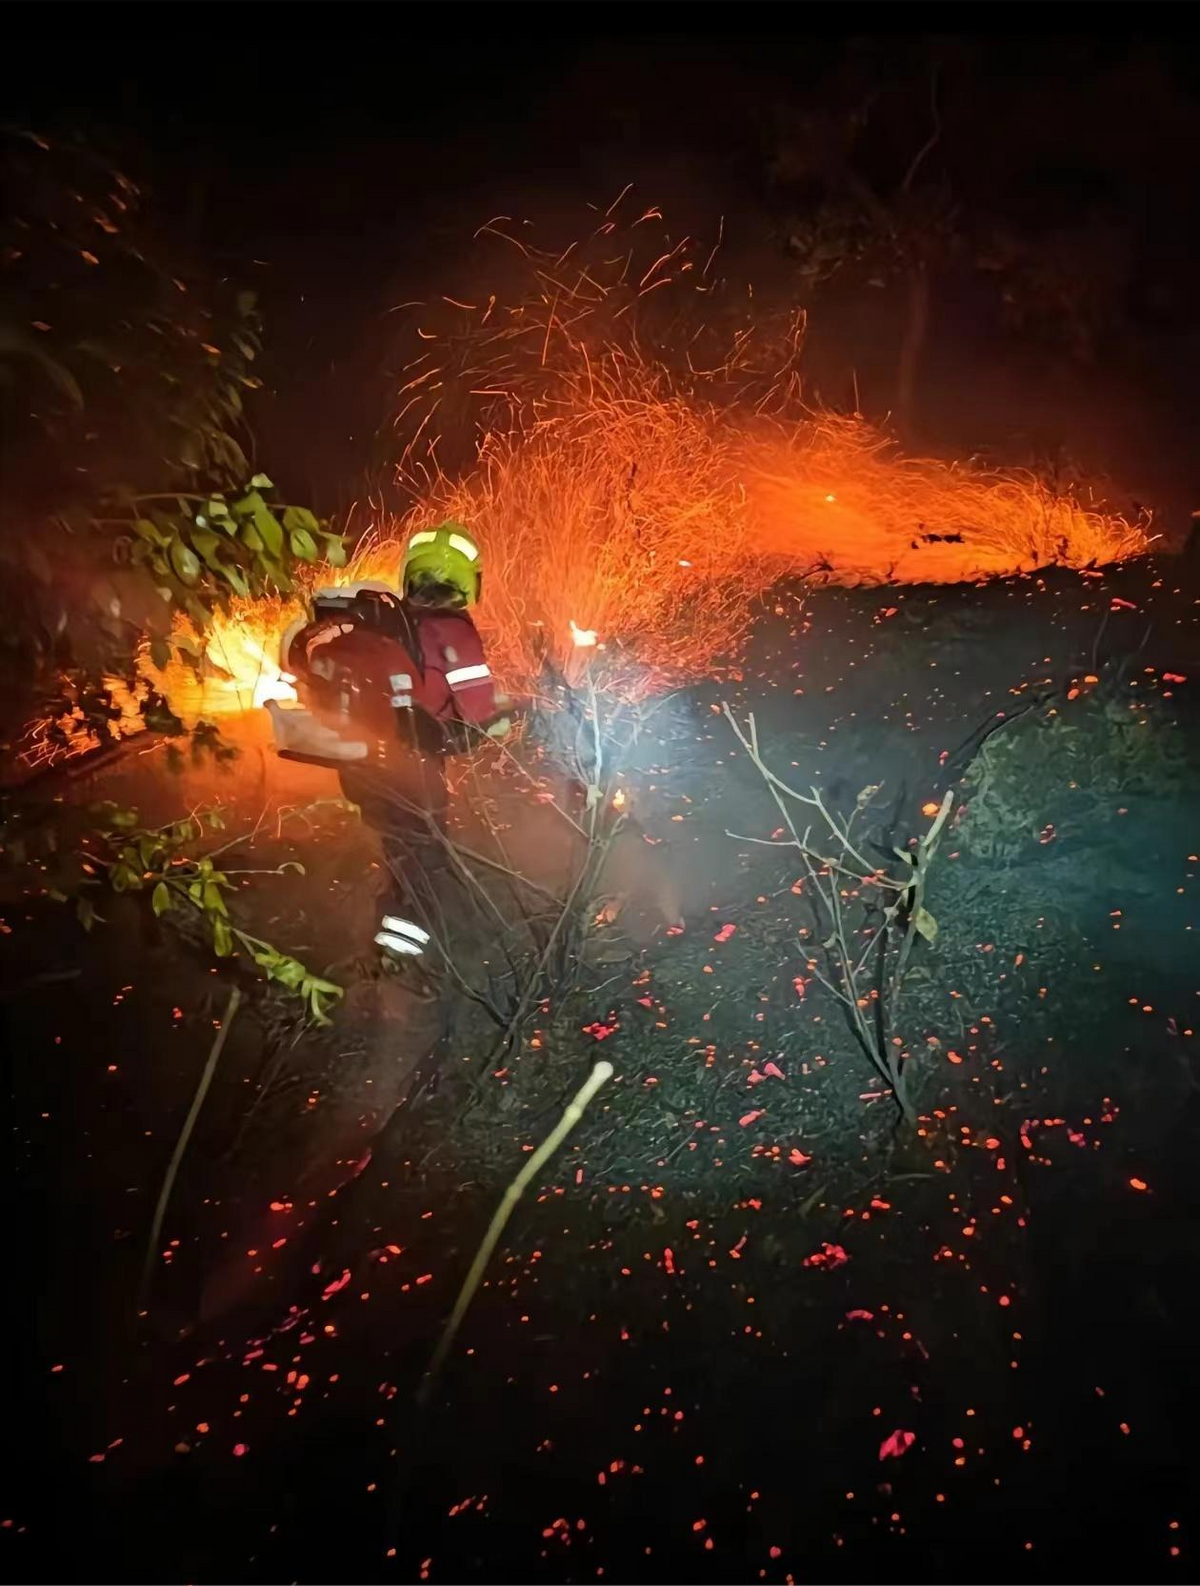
x,y
912,346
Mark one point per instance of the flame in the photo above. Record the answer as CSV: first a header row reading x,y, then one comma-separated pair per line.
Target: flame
x,y
246,651
241,670
657,493
48,740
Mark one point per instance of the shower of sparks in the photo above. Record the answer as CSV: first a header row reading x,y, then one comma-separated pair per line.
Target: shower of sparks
x,y
656,491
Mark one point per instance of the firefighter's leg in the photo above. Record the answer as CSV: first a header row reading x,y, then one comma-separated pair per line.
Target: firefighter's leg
x,y
406,803
385,810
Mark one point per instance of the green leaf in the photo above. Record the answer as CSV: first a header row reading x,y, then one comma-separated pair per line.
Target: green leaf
x,y
207,543
288,973
234,575
160,899
335,550
184,562
160,653
268,527
148,850
254,509
327,988
925,924
85,913
303,545
261,482
222,937
318,993
146,529
277,575
211,900
295,518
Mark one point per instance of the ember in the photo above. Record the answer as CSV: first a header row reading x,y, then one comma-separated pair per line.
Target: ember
x,y
652,495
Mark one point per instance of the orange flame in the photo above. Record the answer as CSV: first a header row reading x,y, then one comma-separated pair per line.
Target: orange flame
x,y
246,652
657,495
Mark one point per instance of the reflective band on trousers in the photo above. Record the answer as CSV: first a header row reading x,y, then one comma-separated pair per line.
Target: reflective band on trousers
x,y
401,936
461,676
393,922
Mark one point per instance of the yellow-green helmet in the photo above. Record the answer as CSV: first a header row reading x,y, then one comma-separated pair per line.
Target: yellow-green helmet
x,y
445,561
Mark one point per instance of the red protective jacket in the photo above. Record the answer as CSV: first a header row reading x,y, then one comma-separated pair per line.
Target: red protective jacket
x,y
382,668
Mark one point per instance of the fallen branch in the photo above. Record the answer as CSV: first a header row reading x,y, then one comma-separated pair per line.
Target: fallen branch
x,y
181,1145
571,1116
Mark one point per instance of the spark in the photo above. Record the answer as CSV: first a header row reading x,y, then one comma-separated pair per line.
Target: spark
x,y
657,492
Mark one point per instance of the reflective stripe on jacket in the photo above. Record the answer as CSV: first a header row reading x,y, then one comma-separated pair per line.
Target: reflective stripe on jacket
x,y
369,676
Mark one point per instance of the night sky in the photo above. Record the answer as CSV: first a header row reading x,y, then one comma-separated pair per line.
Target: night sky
x,y
341,163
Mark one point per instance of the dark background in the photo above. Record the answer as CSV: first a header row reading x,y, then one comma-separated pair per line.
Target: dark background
x,y
340,158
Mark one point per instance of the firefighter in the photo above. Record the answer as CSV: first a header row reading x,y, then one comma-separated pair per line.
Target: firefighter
x,y
396,682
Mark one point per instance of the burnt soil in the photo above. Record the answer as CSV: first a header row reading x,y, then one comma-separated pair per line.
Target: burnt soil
x,y
741,1328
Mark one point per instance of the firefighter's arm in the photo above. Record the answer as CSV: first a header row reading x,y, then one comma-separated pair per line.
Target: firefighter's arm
x,y
469,679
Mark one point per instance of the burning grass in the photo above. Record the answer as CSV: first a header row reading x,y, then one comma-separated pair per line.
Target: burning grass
x,y
645,462
654,521
832,494
621,515
637,459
